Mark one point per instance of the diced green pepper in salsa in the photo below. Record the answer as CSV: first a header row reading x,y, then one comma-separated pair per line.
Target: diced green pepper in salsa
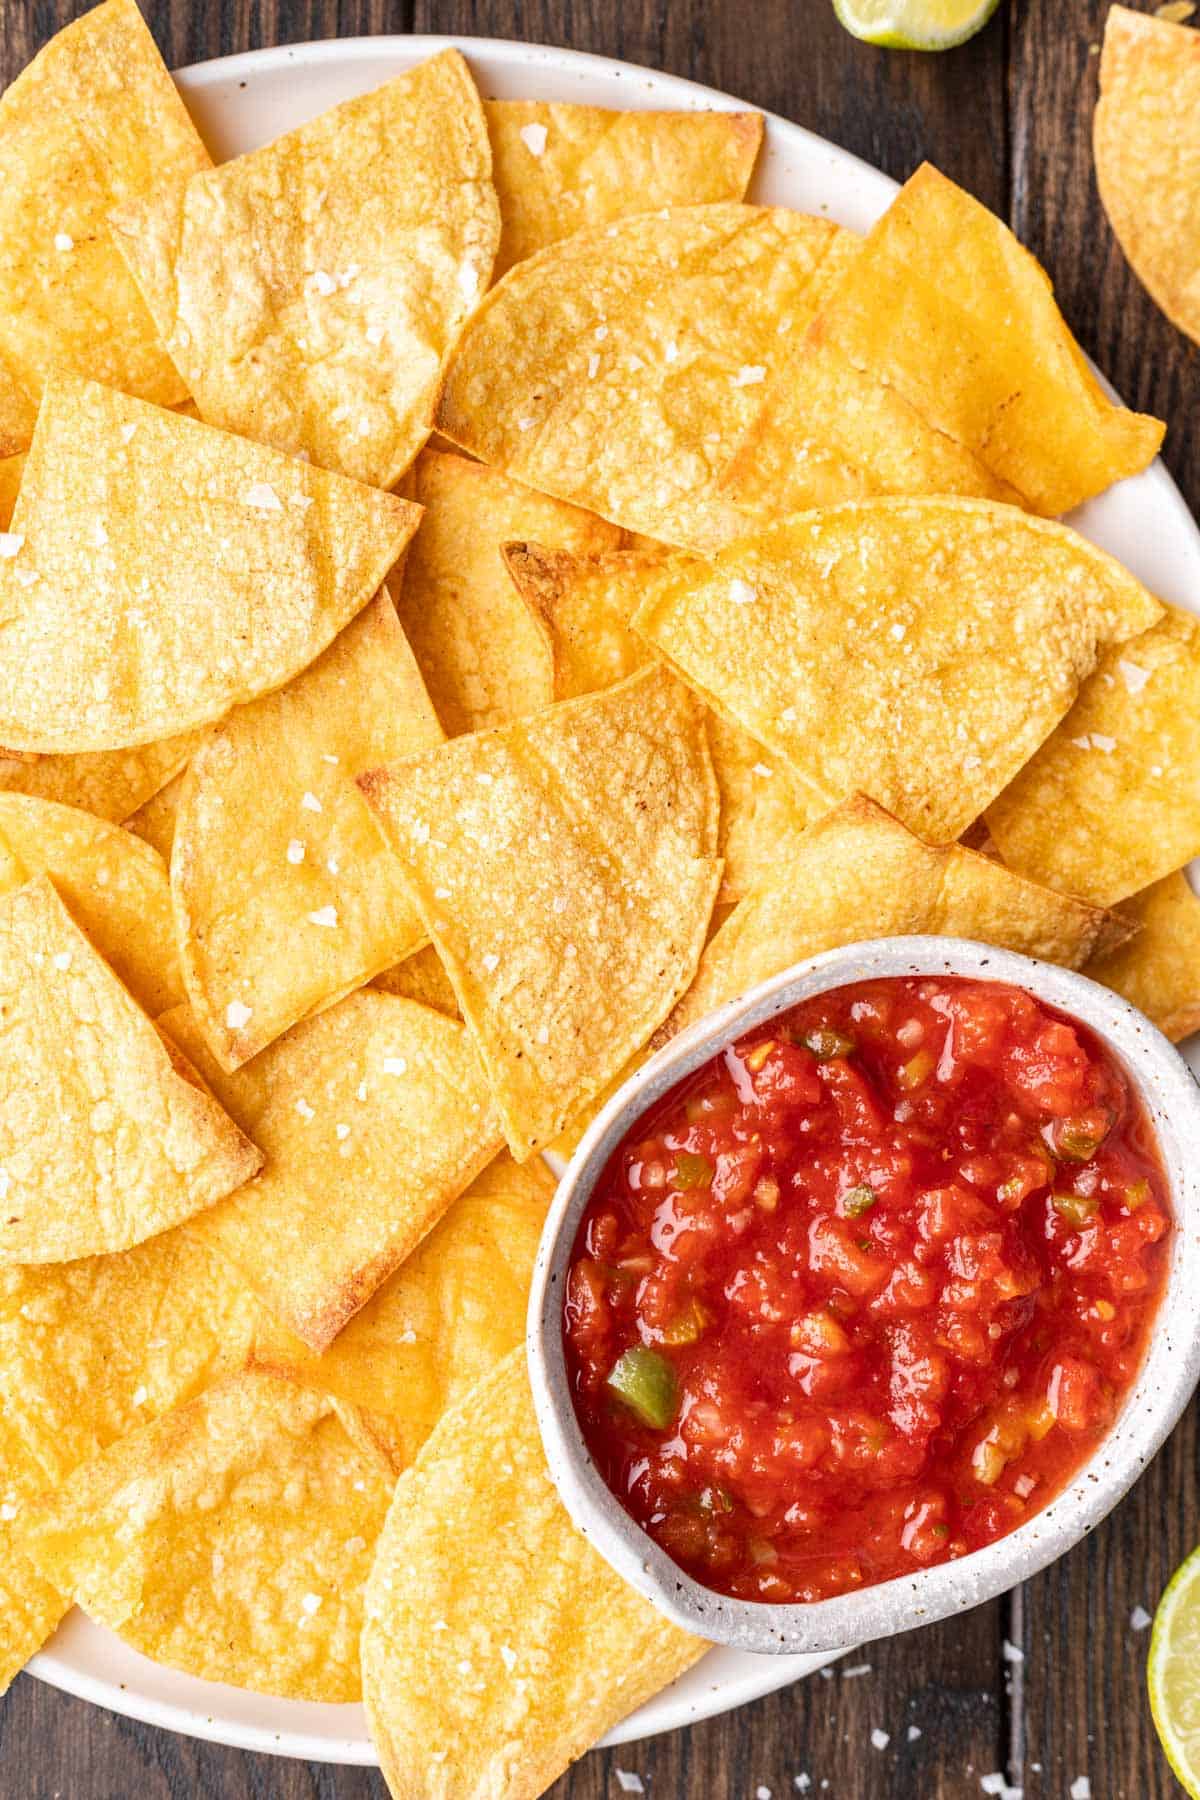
x,y
865,1291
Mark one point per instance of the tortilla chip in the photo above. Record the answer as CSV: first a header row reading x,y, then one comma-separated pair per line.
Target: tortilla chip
x,y
565,868
286,895
483,658
561,168
1159,969
1148,155
93,1349
857,874
154,820
916,650
232,1539
11,470
544,1647
164,572
829,432
104,1138
373,1118
318,321
93,122
442,1321
114,888
421,977
30,1609
1111,802
621,368
944,305
110,783
585,603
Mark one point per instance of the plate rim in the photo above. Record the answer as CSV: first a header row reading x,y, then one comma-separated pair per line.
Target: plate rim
x,y
648,88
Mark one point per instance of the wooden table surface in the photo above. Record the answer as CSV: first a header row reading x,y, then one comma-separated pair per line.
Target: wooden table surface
x,y
1045,1685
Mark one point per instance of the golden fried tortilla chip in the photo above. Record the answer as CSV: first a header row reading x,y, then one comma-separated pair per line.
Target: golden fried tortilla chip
x,y
373,1118
442,1321
93,122
483,658
917,650
565,866
11,470
829,431
95,1348
18,416
585,604
154,820
231,1538
858,873
113,784
114,888
621,368
561,168
421,977
308,292
943,305
1111,801
1159,969
30,1608
286,895
540,1647
1146,136
159,572
105,1139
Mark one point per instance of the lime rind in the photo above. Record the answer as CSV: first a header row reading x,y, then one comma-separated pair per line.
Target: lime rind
x,y
912,24
1173,1674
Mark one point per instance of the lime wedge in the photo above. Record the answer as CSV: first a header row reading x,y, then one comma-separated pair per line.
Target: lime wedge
x,y
914,24
1173,1673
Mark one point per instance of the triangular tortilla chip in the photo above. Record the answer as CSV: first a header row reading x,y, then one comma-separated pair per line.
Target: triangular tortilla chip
x,y
483,658
286,895
1159,969
561,168
161,572
538,1645
93,122
443,1320
232,1539
373,1118
114,888
320,324
585,604
829,432
621,368
104,1139
856,874
421,977
113,784
1111,801
565,868
1148,155
95,1348
917,650
944,305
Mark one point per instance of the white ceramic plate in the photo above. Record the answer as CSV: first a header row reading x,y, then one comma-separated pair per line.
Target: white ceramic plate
x,y
240,102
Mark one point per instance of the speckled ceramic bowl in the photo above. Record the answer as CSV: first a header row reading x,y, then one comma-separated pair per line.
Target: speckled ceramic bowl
x,y
1163,1388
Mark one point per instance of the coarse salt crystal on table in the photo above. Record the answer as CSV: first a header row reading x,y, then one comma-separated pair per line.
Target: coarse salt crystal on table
x,y
630,1783
880,1739
1081,1788
1139,1618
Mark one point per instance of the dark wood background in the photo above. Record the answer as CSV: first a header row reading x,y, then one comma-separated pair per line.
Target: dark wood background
x,y
1047,1684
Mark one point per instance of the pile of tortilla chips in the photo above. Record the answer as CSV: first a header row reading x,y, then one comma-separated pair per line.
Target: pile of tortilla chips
x,y
370,806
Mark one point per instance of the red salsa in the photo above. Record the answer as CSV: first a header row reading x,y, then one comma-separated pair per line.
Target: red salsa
x,y
863,1292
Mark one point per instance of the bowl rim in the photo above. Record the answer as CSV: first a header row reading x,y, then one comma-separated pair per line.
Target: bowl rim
x,y
1152,1406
